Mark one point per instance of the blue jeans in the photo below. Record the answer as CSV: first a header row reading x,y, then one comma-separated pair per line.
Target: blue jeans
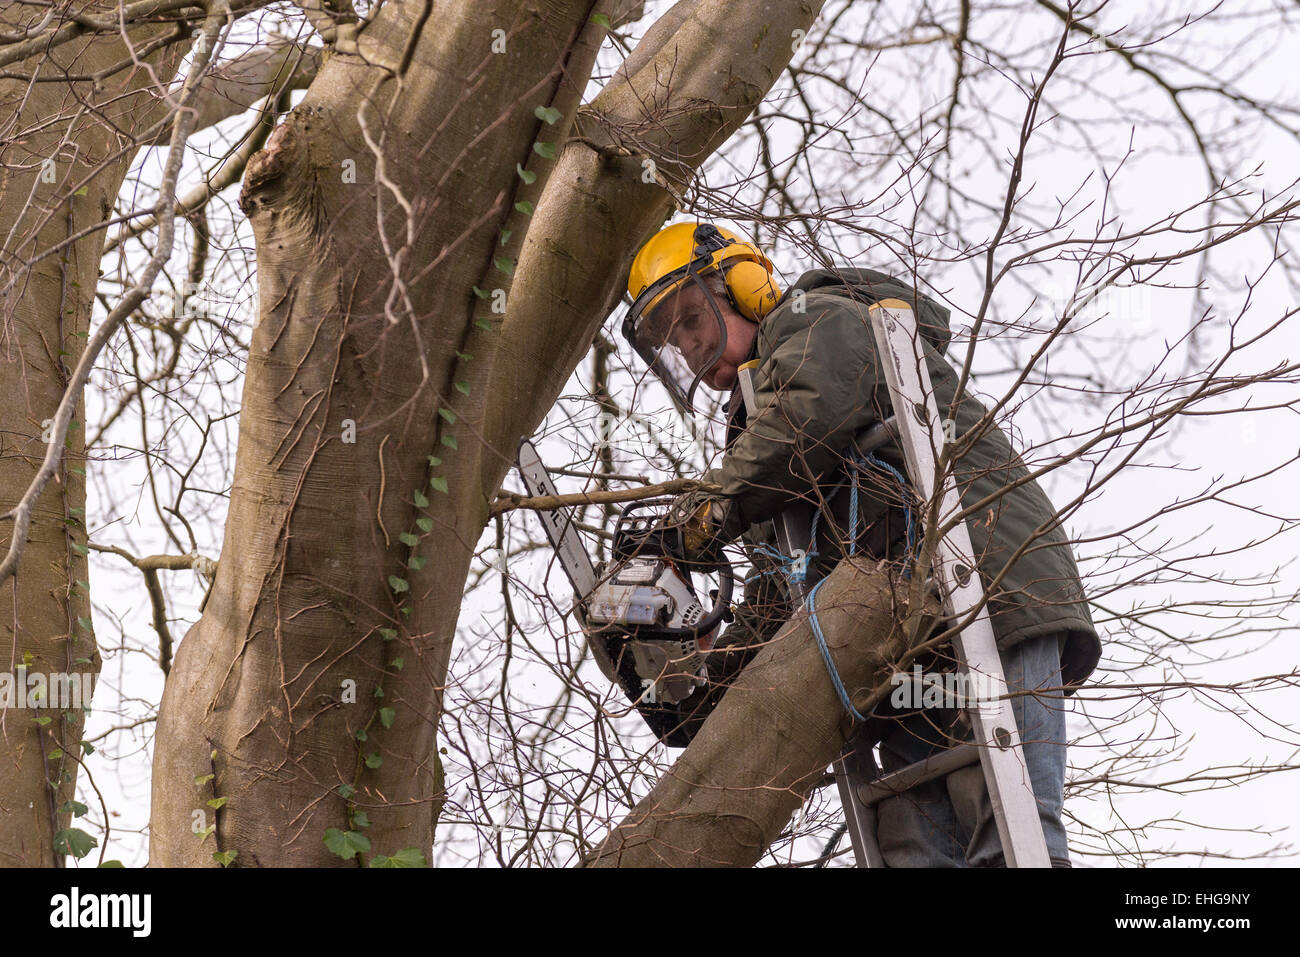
x,y
949,822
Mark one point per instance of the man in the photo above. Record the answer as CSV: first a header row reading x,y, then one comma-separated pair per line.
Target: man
x,y
704,306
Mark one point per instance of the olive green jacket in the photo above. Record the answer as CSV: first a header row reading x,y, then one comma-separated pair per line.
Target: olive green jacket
x,y
818,388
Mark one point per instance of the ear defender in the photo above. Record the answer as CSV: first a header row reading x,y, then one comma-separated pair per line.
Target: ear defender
x,y
747,273
752,291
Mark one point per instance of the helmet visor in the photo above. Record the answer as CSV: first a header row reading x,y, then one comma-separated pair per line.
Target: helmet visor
x,y
680,337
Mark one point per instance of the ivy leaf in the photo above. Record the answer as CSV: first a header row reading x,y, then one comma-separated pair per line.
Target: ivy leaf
x,y
416,563
74,841
379,692
601,19
80,549
505,236
548,114
398,585
482,294
462,388
84,622
425,523
225,858
55,754
387,716
406,538
42,720
398,663
434,461
361,734
449,415
76,807
346,844
439,483
407,857
361,819
506,265
525,175
544,149
388,634
217,803
374,759
113,864
346,791
483,324
87,748
524,207
420,500
202,779
449,441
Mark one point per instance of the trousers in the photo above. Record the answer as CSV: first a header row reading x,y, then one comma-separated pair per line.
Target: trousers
x,y
948,822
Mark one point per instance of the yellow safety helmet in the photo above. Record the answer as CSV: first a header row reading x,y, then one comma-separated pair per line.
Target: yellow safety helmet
x,y
682,253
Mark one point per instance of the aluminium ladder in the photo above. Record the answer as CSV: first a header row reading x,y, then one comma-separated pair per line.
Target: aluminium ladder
x,y
919,430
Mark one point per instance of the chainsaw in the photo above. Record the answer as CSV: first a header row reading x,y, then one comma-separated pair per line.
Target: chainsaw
x,y
648,631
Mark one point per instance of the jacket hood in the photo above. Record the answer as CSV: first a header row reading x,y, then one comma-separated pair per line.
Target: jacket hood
x,y
868,286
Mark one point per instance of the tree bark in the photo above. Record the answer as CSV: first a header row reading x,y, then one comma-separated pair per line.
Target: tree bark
x,y
60,174
772,736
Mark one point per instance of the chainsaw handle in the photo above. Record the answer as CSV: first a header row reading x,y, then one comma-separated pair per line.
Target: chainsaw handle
x,y
721,604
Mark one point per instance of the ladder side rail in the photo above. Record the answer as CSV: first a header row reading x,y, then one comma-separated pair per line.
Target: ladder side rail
x,y
902,358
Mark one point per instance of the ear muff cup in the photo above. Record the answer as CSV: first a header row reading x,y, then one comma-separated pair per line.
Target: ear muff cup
x,y
751,288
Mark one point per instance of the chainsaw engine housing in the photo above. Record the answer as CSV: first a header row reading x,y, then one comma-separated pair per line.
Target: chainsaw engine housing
x,y
645,611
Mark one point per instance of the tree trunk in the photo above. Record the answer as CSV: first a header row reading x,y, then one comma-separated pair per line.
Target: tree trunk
x,y
59,176
772,736
310,690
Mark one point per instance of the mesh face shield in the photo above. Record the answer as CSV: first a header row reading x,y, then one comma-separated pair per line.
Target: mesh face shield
x,y
679,342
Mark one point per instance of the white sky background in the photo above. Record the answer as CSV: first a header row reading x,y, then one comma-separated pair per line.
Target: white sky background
x,y
1127,338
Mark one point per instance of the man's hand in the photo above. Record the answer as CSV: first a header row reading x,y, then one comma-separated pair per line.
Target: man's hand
x,y
701,518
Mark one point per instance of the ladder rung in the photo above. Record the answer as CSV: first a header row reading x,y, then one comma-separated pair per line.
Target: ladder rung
x,y
904,779
878,435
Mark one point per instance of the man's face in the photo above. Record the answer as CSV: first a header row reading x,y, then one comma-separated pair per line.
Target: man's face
x,y
694,332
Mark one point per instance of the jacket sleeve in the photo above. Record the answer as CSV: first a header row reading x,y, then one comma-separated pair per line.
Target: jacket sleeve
x,y
815,387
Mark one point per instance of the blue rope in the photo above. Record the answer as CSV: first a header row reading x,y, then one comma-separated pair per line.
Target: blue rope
x,y
826,653
871,459
859,462
800,570
781,560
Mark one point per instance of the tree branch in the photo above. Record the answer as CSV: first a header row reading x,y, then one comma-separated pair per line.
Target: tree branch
x,y
542,503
